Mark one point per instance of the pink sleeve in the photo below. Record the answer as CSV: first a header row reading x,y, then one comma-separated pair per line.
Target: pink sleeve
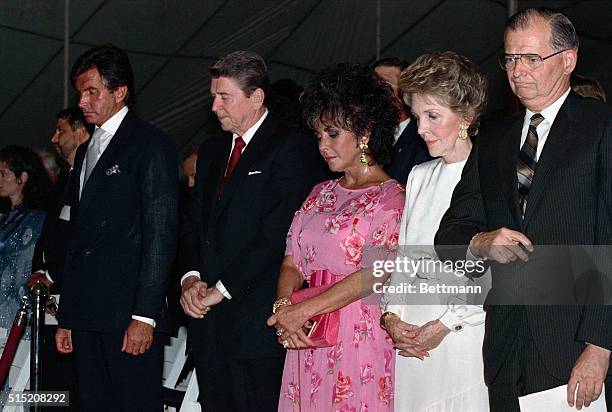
x,y
382,240
294,228
296,224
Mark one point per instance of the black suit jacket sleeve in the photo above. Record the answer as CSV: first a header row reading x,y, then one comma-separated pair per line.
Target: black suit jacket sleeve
x,y
37,259
159,191
188,254
596,320
465,216
297,170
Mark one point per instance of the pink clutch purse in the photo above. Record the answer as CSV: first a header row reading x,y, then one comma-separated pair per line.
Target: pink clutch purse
x,y
323,331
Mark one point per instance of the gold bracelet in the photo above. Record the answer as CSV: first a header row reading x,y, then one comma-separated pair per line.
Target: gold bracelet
x,y
384,316
280,302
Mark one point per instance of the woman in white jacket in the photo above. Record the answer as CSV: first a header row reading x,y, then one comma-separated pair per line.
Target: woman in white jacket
x,y
431,308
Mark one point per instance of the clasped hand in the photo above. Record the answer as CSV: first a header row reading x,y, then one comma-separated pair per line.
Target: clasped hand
x,y
197,298
290,321
412,340
502,245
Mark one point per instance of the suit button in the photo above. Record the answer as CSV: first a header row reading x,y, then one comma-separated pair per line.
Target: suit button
x,y
207,243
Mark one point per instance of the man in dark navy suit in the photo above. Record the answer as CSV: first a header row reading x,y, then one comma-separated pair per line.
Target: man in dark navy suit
x,y
249,183
122,206
535,189
409,149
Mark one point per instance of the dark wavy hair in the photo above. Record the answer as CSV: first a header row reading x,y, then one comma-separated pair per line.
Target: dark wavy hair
x,y
20,159
113,65
75,118
246,68
354,98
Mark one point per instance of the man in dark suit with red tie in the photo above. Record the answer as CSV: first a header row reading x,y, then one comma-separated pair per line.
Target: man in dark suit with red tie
x,y
122,208
536,190
249,183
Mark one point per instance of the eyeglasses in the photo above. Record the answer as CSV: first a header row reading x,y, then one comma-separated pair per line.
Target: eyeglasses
x,y
531,60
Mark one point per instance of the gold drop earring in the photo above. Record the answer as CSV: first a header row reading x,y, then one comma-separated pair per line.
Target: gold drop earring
x,y
363,146
463,134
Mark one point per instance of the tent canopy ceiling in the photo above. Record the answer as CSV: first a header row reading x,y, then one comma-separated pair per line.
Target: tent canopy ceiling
x,y
171,42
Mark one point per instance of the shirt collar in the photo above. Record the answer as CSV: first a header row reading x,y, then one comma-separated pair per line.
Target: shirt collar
x,y
400,129
112,124
248,135
550,113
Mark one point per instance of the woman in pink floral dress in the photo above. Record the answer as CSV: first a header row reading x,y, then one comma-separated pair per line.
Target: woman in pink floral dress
x,y
343,227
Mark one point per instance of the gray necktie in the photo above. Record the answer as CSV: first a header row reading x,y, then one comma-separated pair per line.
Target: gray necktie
x,y
93,151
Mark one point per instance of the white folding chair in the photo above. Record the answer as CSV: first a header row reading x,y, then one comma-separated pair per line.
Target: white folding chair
x,y
190,401
175,358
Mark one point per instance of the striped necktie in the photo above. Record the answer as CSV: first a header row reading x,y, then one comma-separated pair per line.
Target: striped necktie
x,y
526,163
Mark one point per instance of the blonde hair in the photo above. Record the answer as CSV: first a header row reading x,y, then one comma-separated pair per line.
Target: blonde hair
x,y
452,80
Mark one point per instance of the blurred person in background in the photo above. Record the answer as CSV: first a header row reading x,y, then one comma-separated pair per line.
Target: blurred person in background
x,y
587,87
24,182
408,148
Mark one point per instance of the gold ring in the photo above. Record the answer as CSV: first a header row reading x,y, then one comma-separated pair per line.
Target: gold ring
x,y
285,344
279,331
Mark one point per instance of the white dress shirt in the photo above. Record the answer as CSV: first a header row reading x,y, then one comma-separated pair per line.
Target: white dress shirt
x,y
110,127
247,137
543,129
400,129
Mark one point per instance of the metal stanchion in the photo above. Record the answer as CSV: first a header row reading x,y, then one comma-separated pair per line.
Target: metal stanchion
x,y
38,299
10,349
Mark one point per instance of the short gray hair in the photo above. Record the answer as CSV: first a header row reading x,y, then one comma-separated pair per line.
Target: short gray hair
x,y
563,34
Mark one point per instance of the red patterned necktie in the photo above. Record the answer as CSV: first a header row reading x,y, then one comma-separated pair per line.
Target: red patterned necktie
x,y
233,160
526,163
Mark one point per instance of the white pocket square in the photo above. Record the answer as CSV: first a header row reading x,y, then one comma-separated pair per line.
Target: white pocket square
x,y
254,172
112,170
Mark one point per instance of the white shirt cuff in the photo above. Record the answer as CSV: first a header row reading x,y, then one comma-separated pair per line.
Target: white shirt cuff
x,y
458,317
469,255
221,288
451,320
190,273
472,257
145,320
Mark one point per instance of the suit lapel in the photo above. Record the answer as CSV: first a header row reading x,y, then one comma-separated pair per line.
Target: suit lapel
x,y
219,158
253,151
508,154
75,182
556,145
106,161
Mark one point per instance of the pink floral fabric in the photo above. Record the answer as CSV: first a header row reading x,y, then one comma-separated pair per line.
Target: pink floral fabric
x,y
344,230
